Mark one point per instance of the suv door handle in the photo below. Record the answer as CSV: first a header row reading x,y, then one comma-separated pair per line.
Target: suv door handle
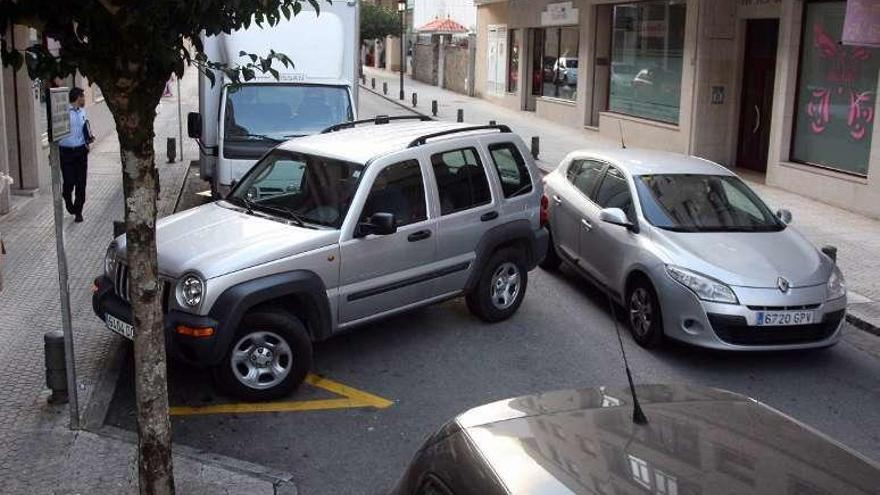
x,y
419,236
587,225
557,199
492,215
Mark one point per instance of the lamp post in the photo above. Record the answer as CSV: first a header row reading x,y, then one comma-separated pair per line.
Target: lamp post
x,y
401,10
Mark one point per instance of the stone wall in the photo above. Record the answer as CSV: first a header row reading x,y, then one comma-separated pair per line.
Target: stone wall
x,y
425,63
455,68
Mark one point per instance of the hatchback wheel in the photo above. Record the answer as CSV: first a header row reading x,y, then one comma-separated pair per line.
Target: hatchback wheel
x,y
645,318
501,287
270,356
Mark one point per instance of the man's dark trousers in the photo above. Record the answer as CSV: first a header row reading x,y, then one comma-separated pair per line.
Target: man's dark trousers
x,y
74,171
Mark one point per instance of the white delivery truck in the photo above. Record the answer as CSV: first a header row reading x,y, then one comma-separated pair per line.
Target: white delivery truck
x,y
237,124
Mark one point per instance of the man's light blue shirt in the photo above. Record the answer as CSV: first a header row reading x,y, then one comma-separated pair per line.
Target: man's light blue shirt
x,y
77,121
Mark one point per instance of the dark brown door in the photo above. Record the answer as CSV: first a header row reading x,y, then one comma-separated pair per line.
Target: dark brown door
x,y
759,70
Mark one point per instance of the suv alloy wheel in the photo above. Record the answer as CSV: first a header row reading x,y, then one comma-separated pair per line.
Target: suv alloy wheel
x,y
501,287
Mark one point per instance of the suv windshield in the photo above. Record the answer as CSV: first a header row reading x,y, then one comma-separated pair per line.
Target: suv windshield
x,y
281,111
298,187
703,203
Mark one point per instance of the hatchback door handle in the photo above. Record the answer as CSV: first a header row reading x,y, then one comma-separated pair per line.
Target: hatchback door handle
x,y
557,199
587,225
418,236
492,215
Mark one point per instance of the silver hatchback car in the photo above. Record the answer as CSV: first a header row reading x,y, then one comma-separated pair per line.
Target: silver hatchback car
x,y
691,252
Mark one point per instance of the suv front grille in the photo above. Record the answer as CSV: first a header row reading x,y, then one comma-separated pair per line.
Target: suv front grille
x,y
122,287
735,330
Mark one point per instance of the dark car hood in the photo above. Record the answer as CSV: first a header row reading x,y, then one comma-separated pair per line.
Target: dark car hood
x,y
697,441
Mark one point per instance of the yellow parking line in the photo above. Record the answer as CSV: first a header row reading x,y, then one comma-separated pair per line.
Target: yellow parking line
x,y
353,398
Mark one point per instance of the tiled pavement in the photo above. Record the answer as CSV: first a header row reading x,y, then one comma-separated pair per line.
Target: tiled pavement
x,y
39,454
857,237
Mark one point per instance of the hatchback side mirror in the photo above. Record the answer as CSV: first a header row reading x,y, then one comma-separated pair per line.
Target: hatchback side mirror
x,y
194,125
615,216
378,224
784,215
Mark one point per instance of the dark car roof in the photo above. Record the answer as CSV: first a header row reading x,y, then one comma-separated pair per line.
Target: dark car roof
x,y
697,441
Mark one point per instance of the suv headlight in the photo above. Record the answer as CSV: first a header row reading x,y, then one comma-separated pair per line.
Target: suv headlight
x,y
110,260
836,284
705,288
190,290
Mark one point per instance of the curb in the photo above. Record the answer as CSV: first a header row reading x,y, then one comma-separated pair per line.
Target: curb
x,y
395,101
862,323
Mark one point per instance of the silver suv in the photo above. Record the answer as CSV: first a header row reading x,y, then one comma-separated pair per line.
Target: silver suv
x,y
327,232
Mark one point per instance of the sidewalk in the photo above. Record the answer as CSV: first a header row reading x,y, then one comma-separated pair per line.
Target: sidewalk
x,y
857,237
39,453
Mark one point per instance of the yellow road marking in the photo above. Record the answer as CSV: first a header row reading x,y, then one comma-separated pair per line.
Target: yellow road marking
x,y
353,398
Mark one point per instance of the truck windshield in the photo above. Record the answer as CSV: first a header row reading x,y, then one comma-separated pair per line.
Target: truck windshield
x,y
282,111
303,188
703,203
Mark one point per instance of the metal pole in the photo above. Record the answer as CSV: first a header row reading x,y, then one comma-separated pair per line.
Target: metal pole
x,y
63,288
402,56
179,119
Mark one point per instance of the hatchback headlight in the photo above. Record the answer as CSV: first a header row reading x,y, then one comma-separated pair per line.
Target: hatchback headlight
x,y
836,284
190,290
705,288
110,260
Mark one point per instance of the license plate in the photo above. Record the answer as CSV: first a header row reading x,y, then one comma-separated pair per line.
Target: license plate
x,y
784,318
120,327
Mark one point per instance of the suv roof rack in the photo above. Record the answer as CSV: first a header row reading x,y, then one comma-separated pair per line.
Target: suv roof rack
x,y
377,120
421,140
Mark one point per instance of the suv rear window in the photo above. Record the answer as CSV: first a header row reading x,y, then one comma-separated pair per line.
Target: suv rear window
x,y
461,180
511,167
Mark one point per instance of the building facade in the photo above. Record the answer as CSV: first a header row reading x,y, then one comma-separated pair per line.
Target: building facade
x,y
765,86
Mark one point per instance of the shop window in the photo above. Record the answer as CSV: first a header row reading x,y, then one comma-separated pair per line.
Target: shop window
x,y
513,51
647,48
837,87
556,68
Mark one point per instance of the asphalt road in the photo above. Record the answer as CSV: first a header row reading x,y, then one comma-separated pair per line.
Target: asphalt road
x,y
439,361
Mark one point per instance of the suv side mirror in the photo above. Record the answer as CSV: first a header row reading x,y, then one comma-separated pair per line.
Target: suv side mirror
x,y
784,215
194,125
378,224
615,216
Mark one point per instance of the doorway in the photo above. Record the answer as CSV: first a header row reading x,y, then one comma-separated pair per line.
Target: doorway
x,y
535,79
759,73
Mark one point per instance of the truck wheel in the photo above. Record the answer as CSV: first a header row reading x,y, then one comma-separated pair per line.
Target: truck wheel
x,y
645,318
270,356
551,260
501,287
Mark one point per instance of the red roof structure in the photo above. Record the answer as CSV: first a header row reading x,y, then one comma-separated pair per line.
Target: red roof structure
x,y
443,26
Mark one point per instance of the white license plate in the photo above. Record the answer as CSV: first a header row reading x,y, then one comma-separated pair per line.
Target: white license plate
x,y
784,318
120,327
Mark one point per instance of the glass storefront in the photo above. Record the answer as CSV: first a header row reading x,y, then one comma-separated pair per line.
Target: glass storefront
x,y
837,87
647,48
514,49
555,62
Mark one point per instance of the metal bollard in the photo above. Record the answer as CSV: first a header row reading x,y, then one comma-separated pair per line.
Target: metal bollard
x,y
373,82
831,252
460,117
384,87
172,149
492,122
415,99
434,108
56,366
536,147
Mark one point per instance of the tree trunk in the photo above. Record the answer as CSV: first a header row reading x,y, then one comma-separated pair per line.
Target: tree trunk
x,y
140,181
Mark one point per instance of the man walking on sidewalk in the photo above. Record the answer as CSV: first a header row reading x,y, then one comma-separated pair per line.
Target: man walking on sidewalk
x,y
74,155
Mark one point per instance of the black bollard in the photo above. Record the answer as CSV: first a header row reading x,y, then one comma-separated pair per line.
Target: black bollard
x,y
384,87
434,108
172,149
460,117
56,366
492,122
831,252
118,228
373,82
415,99
536,147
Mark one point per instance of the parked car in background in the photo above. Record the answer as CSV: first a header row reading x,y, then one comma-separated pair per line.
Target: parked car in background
x,y
335,230
691,252
696,441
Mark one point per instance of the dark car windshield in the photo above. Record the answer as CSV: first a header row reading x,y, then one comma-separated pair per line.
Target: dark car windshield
x,y
302,188
281,111
703,203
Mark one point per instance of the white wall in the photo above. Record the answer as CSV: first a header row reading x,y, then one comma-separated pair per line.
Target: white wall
x,y
461,11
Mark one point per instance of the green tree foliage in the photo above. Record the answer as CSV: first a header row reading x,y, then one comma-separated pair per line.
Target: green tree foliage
x,y
130,48
378,22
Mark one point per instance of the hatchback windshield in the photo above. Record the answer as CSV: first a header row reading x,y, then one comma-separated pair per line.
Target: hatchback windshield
x,y
306,189
280,112
703,203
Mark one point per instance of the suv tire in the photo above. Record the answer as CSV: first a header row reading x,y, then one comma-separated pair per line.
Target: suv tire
x,y
551,260
501,287
643,314
274,346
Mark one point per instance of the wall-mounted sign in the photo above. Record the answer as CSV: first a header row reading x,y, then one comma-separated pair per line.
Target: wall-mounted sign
x,y
862,23
59,123
560,14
